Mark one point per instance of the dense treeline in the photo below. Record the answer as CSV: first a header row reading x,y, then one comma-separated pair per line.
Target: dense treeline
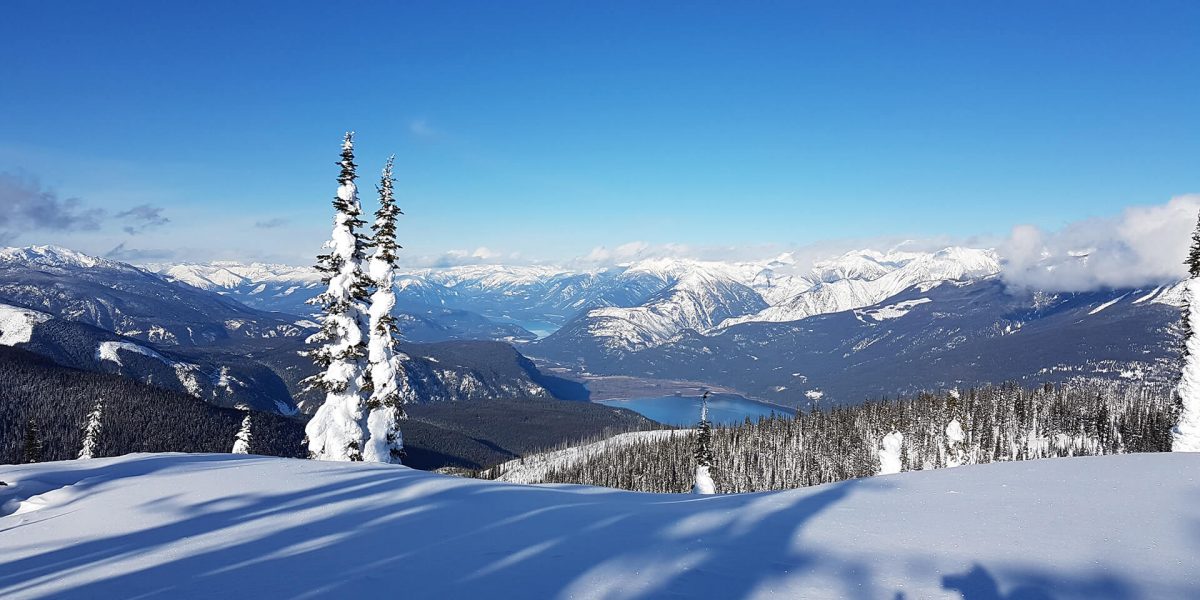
x,y
471,435
996,423
47,406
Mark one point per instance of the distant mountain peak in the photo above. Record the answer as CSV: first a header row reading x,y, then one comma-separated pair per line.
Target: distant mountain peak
x,y
57,256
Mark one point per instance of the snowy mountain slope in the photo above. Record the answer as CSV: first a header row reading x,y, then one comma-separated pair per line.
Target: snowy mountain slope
x,y
695,301
203,526
957,333
217,378
423,315
864,278
16,324
451,371
707,296
128,301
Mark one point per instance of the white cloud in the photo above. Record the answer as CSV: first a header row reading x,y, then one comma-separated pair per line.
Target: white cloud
x,y
422,129
1143,246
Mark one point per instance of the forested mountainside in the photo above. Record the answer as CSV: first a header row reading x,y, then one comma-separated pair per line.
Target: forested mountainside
x,y
212,373
49,406
473,435
976,426
926,338
438,372
57,402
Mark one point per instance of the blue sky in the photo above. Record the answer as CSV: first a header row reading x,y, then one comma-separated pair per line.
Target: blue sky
x,y
548,129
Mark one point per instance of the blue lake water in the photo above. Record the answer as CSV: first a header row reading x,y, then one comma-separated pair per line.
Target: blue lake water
x,y
538,328
684,411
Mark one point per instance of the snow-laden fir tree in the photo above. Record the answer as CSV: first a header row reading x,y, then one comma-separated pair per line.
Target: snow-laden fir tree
x,y
1185,437
338,430
389,387
241,442
31,451
91,433
889,455
956,454
703,452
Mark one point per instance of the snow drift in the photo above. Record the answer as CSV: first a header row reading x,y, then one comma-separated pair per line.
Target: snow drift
x,y
204,526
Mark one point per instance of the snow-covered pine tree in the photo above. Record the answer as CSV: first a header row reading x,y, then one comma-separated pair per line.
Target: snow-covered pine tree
x,y
338,430
889,455
703,452
1185,437
32,450
241,442
389,387
956,454
91,433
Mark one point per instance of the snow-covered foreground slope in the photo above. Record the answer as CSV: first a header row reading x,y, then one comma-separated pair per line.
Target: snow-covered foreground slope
x,y
226,526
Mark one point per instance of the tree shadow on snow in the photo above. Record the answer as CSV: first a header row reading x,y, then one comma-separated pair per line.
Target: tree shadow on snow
x,y
400,532
980,584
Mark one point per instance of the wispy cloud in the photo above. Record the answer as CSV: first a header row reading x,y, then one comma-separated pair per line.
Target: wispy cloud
x,y
271,223
141,218
421,128
458,258
26,205
123,253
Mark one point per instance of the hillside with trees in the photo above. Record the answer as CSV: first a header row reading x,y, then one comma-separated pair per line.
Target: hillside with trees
x,y
46,411
929,431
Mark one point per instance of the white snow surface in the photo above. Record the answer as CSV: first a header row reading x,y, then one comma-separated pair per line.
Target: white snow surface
x,y
892,311
1106,305
109,351
16,324
183,526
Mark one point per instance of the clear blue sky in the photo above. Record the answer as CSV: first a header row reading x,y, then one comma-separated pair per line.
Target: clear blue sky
x,y
549,128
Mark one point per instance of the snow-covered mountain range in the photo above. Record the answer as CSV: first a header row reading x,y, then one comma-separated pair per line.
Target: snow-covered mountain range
x,y
863,324
635,305
776,329
129,301
101,315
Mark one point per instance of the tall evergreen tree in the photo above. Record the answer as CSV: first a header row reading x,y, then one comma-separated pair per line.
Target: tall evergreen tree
x,y
338,430
32,449
241,442
1186,433
91,434
390,389
703,452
